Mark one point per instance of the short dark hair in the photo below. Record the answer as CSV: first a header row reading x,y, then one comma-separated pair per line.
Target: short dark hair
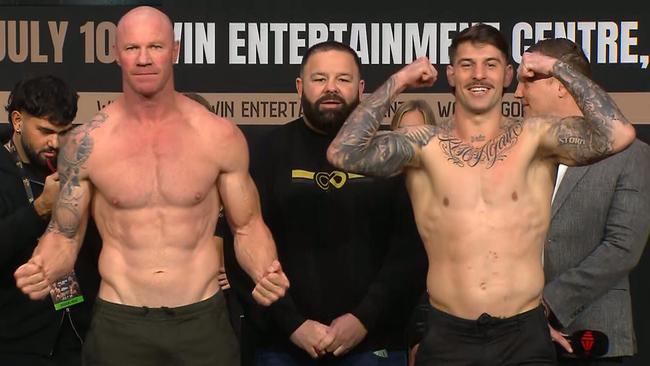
x,y
565,50
483,34
329,46
46,97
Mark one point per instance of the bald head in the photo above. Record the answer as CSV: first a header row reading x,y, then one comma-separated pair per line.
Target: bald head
x,y
146,52
143,16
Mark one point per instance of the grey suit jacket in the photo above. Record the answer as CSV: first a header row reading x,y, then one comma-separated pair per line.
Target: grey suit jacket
x,y
599,227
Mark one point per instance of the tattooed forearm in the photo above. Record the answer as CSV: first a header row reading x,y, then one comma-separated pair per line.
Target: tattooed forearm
x,y
598,108
75,150
359,148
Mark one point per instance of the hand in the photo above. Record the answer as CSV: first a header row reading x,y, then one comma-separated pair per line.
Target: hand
x,y
222,279
308,336
44,203
420,73
344,333
272,286
53,258
534,64
31,280
560,338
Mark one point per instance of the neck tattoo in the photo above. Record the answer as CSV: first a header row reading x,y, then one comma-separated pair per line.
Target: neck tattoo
x,y
478,138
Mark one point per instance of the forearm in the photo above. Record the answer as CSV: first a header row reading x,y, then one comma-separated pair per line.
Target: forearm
x,y
350,147
254,248
610,129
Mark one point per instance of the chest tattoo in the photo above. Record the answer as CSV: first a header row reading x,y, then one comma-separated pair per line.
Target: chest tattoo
x,y
464,154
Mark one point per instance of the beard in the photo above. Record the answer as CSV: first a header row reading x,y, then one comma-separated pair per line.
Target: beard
x,y
328,121
34,156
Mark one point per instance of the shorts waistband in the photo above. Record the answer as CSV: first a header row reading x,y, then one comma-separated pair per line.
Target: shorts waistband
x,y
484,319
163,312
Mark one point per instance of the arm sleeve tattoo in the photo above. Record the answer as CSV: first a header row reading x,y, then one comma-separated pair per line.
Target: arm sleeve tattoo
x,y
590,137
360,148
76,148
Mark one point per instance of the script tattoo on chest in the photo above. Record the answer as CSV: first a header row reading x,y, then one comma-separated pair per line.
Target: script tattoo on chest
x,y
464,154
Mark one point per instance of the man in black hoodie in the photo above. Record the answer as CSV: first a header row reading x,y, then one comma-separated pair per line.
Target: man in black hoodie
x,y
33,332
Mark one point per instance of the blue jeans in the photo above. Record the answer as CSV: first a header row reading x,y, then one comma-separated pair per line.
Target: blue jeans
x,y
368,358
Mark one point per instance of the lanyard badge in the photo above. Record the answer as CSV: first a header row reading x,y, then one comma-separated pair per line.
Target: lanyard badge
x,y
66,292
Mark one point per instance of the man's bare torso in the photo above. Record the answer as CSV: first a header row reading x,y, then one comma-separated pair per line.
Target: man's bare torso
x,y
156,203
483,223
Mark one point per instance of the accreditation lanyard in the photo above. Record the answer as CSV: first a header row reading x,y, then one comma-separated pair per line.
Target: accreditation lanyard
x,y
21,170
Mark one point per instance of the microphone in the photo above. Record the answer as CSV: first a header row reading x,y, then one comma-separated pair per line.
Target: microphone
x,y
587,343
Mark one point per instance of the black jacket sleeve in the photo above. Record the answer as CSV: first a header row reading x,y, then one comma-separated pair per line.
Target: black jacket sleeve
x,y
402,277
20,225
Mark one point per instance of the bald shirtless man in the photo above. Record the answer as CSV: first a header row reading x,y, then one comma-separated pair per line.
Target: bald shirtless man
x,y
481,188
153,168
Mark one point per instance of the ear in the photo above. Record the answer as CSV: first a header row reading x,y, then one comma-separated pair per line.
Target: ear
x,y
507,80
562,91
299,86
115,53
362,85
176,51
450,76
16,120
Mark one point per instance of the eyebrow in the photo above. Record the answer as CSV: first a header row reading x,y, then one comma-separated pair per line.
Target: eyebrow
x,y
489,59
320,73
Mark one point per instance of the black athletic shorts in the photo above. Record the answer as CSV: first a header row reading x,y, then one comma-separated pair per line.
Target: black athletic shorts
x,y
523,339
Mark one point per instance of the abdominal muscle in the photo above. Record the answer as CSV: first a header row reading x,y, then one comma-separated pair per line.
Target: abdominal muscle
x,y
475,268
160,256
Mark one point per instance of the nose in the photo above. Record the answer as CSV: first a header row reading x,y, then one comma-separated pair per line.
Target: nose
x,y
53,141
519,92
479,72
144,58
331,86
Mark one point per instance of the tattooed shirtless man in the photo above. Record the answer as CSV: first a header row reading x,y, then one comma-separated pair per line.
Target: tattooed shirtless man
x,y
481,188
153,168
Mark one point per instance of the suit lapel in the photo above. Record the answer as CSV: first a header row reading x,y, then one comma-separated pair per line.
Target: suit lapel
x,y
568,183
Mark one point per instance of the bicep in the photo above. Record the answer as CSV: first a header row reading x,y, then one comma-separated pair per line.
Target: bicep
x,y
574,141
71,210
236,187
239,197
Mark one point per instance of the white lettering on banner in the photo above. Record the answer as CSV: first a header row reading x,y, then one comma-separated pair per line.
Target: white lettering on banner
x,y
375,43
603,42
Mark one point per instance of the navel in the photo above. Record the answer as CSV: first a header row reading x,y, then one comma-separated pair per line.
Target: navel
x,y
515,197
445,202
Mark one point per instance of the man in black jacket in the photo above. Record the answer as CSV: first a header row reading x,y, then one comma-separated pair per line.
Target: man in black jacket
x,y
33,332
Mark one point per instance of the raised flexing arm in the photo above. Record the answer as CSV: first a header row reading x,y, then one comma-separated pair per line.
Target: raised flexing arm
x,y
360,148
578,140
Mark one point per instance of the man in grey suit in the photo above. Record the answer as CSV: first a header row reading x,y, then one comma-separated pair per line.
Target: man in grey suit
x,y
600,221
